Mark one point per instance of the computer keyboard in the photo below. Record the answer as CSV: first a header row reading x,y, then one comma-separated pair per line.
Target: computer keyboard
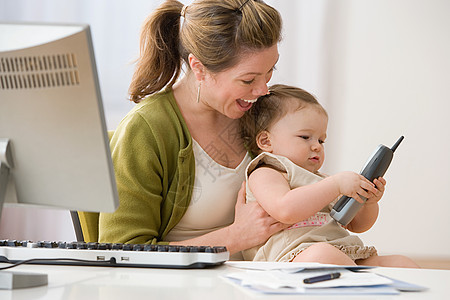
x,y
112,255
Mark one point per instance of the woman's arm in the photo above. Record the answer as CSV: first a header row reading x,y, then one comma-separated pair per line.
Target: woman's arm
x,y
144,215
252,226
138,176
272,191
368,214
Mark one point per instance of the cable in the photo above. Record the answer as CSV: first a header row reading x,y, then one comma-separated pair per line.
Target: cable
x,y
4,259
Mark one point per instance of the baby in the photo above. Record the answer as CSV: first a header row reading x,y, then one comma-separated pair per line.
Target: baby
x,y
287,129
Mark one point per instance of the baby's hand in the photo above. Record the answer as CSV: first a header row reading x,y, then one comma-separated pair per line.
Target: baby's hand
x,y
355,185
380,184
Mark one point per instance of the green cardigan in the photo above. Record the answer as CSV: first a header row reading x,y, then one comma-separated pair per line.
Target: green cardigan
x,y
154,167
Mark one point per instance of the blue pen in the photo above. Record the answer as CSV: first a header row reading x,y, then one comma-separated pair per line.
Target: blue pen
x,y
322,278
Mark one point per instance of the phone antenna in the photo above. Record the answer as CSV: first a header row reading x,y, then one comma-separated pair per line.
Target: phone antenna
x,y
397,143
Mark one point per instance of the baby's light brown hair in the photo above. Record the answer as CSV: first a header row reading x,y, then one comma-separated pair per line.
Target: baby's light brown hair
x,y
270,108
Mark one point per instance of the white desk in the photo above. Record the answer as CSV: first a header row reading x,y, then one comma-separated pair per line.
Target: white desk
x,y
70,282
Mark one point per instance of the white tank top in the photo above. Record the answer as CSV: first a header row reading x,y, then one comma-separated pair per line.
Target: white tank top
x,y
213,199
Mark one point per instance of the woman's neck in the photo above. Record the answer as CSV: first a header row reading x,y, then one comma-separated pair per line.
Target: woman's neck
x,y
217,134
185,93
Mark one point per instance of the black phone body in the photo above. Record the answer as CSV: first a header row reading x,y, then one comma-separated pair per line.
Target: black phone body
x,y
376,166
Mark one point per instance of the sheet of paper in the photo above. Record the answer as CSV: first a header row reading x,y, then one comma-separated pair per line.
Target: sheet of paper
x,y
287,278
375,290
277,279
286,266
275,282
404,286
268,266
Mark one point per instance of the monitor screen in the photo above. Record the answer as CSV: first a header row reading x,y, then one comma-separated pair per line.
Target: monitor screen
x,y
54,147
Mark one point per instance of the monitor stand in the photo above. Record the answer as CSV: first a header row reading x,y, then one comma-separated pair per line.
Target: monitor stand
x,y
13,280
6,162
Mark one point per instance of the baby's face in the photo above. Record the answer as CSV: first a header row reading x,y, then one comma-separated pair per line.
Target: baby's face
x,y
299,136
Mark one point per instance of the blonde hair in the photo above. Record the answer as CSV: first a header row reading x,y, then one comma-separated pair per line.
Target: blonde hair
x,y
270,108
216,32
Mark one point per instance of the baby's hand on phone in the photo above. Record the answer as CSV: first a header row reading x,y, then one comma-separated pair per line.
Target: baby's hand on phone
x,y
380,184
355,185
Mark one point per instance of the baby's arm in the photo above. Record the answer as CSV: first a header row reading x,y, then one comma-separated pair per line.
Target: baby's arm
x,y
273,193
368,214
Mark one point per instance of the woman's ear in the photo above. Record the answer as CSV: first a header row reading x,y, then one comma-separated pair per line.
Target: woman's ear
x,y
197,67
263,141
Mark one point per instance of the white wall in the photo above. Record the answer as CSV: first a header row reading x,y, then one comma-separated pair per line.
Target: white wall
x,y
380,67
389,75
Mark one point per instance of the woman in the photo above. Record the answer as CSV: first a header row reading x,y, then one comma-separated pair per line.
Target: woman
x,y
178,156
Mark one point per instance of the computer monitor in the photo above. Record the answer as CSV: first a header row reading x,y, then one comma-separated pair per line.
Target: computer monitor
x,y
54,147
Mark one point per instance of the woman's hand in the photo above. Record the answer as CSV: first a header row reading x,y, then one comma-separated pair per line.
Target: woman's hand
x,y
252,225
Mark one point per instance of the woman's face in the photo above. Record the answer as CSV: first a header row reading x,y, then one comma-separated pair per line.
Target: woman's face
x,y
232,92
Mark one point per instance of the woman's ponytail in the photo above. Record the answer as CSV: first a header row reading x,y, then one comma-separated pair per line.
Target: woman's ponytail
x,y
159,62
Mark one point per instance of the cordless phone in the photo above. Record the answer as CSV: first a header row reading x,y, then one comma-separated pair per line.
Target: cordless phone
x,y
346,208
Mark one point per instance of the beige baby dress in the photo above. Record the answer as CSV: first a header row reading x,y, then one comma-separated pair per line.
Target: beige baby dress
x,y
286,244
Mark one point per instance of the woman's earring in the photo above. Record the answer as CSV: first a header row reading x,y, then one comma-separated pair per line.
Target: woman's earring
x,y
198,92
